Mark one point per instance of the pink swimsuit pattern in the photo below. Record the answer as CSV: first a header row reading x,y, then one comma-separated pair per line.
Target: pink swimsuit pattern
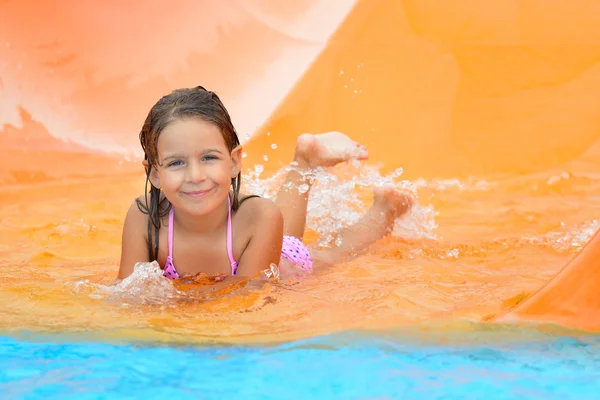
x,y
293,249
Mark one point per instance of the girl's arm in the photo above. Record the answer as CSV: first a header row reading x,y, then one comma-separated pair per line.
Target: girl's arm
x,y
134,243
265,245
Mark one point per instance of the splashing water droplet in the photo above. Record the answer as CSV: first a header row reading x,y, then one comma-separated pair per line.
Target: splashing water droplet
x,y
272,272
303,188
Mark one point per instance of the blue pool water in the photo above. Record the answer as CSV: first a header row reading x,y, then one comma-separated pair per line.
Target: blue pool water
x,y
346,366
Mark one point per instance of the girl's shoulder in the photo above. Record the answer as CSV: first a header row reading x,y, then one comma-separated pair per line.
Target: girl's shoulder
x,y
253,209
135,245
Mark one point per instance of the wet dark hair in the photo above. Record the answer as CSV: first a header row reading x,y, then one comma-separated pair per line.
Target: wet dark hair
x,y
180,104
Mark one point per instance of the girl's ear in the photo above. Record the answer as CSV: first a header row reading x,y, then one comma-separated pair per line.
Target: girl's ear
x,y
236,158
153,178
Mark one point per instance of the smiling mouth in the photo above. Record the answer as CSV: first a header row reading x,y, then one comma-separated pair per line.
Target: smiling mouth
x,y
197,193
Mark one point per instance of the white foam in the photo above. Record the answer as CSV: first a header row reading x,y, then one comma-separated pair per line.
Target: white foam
x,y
571,239
335,200
146,285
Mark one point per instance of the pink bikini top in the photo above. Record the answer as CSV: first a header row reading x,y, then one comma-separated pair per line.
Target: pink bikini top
x,y
170,271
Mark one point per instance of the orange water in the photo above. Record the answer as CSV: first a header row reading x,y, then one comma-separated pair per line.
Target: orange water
x,y
497,240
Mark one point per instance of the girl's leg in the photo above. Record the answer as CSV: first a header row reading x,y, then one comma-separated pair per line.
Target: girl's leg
x,y
388,204
312,151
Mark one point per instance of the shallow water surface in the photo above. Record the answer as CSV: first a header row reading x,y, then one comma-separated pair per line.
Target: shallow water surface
x,y
469,250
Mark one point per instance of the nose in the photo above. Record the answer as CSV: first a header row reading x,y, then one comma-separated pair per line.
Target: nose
x,y
195,173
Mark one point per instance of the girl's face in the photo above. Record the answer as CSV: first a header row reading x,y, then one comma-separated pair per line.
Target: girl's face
x,y
195,166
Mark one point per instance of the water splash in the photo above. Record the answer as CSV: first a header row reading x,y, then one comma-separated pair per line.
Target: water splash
x,y
339,197
570,240
146,285
442,185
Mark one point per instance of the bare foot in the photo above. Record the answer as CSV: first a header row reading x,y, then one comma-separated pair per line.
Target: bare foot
x,y
327,150
377,223
390,202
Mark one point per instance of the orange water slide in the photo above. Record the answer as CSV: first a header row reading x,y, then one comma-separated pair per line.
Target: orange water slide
x,y
439,88
90,71
572,298
452,88
446,89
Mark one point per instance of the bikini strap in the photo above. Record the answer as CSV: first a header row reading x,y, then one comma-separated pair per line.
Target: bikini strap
x,y
234,264
171,213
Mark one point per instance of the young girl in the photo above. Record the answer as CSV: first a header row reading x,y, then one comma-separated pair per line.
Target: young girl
x,y
194,219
